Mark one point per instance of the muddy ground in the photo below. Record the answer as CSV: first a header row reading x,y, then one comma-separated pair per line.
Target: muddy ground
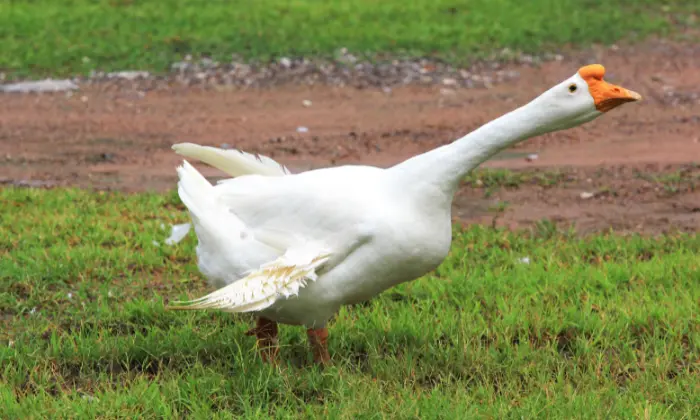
x,y
635,161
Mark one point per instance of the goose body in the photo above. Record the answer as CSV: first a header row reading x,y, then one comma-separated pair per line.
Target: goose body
x,y
360,211
296,247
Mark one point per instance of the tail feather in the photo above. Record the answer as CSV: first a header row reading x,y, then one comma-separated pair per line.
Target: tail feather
x,y
200,198
194,190
233,162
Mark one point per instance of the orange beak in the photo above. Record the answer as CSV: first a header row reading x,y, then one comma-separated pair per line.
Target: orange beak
x,y
606,96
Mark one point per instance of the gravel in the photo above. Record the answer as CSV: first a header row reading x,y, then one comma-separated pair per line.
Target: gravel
x,y
345,69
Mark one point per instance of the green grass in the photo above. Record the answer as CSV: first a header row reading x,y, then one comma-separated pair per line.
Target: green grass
x,y
492,180
54,36
684,179
595,327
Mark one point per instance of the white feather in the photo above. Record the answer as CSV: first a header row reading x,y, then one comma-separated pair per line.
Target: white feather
x,y
233,162
262,287
200,198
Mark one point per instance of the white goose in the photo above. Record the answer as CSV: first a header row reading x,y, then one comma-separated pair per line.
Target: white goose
x,y
295,247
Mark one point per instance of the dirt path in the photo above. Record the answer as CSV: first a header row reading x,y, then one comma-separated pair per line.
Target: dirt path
x,y
121,138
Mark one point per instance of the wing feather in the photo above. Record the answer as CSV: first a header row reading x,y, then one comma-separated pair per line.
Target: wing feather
x,y
283,277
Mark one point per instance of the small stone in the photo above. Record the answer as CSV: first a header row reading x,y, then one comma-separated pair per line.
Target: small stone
x,y
181,66
129,75
285,62
47,85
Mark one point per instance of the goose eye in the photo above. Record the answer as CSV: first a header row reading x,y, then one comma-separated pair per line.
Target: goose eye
x,y
572,88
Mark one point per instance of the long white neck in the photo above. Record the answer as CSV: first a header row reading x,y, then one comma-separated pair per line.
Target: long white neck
x,y
443,168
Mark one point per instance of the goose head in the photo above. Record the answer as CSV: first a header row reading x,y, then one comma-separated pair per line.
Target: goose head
x,y
579,99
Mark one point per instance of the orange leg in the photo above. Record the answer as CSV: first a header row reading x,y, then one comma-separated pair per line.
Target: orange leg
x,y
318,338
266,333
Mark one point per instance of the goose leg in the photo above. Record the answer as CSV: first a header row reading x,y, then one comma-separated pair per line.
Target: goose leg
x,y
268,344
318,339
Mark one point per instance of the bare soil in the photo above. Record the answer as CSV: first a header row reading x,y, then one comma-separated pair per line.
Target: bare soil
x,y
635,160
